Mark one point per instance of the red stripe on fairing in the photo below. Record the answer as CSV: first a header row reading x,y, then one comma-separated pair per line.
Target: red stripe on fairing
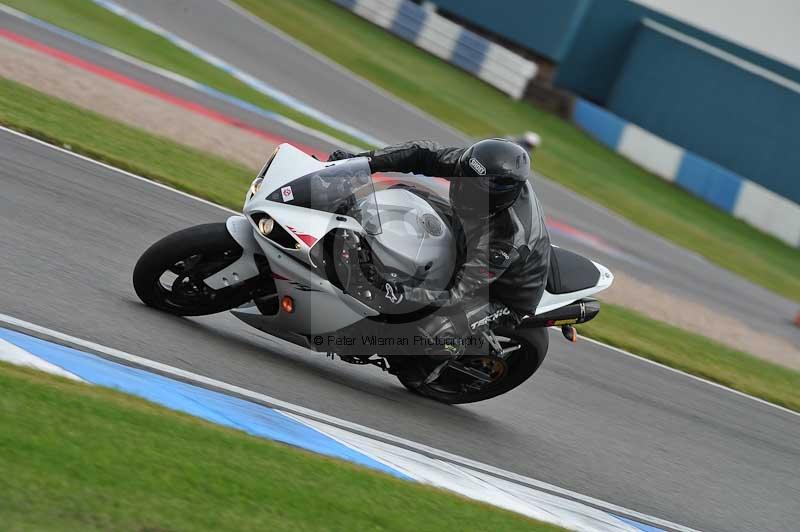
x,y
280,277
307,239
196,108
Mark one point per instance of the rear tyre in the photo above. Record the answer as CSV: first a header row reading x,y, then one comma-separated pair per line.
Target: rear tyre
x,y
169,275
451,387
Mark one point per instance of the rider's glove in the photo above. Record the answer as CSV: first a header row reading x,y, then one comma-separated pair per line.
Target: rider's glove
x,y
338,155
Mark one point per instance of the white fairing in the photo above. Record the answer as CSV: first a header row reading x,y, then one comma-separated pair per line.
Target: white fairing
x,y
308,226
288,164
415,240
553,301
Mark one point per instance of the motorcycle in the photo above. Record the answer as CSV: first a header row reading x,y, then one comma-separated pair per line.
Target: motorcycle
x,y
314,259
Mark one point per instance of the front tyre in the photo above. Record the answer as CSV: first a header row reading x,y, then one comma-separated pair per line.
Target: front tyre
x,y
453,387
169,275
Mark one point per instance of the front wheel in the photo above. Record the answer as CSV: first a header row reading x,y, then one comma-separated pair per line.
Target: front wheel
x,y
454,387
169,275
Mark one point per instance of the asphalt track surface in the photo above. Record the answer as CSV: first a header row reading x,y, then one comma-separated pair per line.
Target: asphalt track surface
x,y
270,57
222,29
624,246
592,420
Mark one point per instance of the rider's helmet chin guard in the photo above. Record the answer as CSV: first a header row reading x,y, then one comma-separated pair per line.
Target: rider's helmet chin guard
x,y
492,173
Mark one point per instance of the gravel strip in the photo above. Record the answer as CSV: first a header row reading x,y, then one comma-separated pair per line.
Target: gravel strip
x,y
130,106
697,318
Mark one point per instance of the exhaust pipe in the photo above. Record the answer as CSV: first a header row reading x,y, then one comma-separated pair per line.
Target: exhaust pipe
x,y
580,311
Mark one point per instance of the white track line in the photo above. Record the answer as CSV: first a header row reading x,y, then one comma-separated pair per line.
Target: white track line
x,y
206,202
114,169
342,70
166,369
246,78
693,377
177,78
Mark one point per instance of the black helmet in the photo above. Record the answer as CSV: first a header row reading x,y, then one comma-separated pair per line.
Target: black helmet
x,y
492,173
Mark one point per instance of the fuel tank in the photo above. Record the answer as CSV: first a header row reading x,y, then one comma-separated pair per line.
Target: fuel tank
x,y
414,238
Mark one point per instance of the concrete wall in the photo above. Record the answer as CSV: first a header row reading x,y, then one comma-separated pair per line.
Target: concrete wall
x,y
544,26
773,35
727,110
723,188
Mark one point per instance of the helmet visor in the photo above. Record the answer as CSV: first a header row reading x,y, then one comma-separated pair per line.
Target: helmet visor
x,y
495,184
480,198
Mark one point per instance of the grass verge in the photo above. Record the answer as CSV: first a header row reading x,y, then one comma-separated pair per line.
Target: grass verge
x,y
91,134
98,24
695,354
567,156
95,459
222,182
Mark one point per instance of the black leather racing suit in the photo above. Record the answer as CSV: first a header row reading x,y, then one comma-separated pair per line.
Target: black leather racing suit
x,y
506,257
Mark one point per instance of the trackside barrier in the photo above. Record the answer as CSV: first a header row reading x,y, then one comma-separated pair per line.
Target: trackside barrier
x,y
744,199
449,41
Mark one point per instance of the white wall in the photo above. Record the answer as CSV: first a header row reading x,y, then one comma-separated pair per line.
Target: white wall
x,y
767,26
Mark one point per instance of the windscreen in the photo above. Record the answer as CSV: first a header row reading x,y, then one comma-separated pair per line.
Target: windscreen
x,y
343,187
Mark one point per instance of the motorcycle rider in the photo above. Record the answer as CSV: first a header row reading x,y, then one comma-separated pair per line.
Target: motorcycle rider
x,y
507,247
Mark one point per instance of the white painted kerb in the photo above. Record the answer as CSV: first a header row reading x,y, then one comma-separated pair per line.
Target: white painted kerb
x,y
16,355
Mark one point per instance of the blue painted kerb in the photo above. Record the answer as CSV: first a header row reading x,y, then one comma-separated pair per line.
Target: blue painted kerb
x,y
216,407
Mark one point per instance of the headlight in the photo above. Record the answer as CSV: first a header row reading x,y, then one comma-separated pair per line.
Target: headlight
x,y
265,225
255,186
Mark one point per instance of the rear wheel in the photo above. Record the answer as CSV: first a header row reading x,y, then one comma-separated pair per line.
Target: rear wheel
x,y
169,275
456,387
